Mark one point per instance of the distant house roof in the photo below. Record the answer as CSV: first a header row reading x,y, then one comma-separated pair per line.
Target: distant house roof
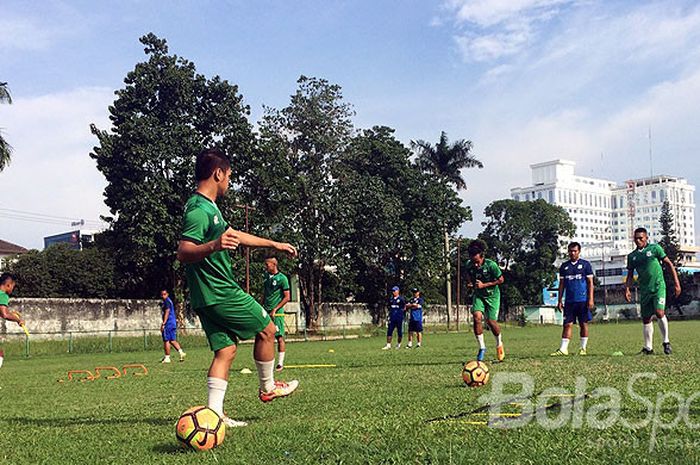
x,y
8,248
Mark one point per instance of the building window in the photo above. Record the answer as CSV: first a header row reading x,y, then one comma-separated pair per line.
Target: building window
x,y
551,196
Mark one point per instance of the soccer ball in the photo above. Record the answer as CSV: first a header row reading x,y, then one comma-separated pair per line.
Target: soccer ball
x,y
475,373
200,428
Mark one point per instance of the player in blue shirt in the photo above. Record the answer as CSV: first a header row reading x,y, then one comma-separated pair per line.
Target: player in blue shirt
x,y
576,277
415,322
397,308
169,328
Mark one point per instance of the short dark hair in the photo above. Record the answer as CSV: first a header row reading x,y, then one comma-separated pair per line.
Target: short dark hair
x,y
7,277
208,161
641,230
476,247
574,244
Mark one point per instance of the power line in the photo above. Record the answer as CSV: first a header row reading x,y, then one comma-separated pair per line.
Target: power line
x,y
47,219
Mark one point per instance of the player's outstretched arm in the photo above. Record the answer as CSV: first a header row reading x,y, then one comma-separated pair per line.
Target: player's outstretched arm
x,y
250,240
190,252
11,316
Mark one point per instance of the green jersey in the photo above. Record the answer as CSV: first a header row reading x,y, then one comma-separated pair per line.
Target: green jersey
x,y
4,298
210,280
647,263
489,271
274,287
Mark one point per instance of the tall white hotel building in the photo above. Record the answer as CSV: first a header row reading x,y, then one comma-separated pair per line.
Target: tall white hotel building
x,y
606,213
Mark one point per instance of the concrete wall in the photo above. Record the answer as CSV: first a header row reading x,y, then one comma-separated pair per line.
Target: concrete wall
x,y
83,315
96,315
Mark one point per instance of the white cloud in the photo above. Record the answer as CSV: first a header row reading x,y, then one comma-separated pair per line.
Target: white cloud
x,y
51,171
23,34
499,28
486,13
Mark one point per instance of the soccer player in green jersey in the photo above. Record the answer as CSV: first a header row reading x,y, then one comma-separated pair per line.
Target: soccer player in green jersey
x,y
646,261
7,285
228,314
276,295
485,276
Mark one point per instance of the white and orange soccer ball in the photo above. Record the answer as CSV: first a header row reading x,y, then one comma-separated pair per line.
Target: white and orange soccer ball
x,y
200,428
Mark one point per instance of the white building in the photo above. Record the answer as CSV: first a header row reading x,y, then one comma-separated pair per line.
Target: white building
x,y
606,213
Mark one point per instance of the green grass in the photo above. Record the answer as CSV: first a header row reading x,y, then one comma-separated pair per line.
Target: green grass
x,y
373,408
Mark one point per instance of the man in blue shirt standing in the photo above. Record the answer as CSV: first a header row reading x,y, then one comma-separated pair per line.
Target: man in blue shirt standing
x,y
415,322
397,307
169,328
576,276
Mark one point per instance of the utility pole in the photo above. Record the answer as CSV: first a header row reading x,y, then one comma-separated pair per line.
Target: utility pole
x,y
448,278
459,277
247,208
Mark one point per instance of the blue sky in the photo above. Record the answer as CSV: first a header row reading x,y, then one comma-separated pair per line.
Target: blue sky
x,y
525,80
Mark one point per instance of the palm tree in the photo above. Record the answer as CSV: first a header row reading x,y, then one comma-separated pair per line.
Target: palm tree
x,y
5,148
446,161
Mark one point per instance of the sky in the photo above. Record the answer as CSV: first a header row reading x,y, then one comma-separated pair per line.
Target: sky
x,y
526,81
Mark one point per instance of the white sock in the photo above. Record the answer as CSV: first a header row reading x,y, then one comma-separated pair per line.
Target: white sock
x,y
216,388
388,346
648,330
410,344
1,360
280,359
564,347
167,357
181,351
499,341
398,346
265,375
584,342
418,344
663,327
480,338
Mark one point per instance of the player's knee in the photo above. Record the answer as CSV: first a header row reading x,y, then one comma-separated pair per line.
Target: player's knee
x,y
660,314
268,333
226,354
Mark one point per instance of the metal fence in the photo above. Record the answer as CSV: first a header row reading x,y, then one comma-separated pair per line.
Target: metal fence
x,y
145,339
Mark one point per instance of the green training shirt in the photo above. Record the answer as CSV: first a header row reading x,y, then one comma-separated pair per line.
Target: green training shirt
x,y
4,298
274,288
210,280
647,263
488,271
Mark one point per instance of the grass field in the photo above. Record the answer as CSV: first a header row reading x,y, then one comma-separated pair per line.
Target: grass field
x,y
373,408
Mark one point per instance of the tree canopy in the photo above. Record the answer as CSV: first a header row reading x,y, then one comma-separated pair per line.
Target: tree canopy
x,y
524,238
164,115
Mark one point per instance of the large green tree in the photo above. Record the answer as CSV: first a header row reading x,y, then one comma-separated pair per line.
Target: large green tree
x,y
524,238
385,217
162,117
446,161
5,148
669,242
289,178
61,271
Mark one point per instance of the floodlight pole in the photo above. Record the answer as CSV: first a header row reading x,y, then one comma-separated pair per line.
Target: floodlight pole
x,y
247,208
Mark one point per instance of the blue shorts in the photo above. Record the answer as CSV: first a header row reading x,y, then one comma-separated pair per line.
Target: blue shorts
x,y
576,311
415,326
395,324
170,333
